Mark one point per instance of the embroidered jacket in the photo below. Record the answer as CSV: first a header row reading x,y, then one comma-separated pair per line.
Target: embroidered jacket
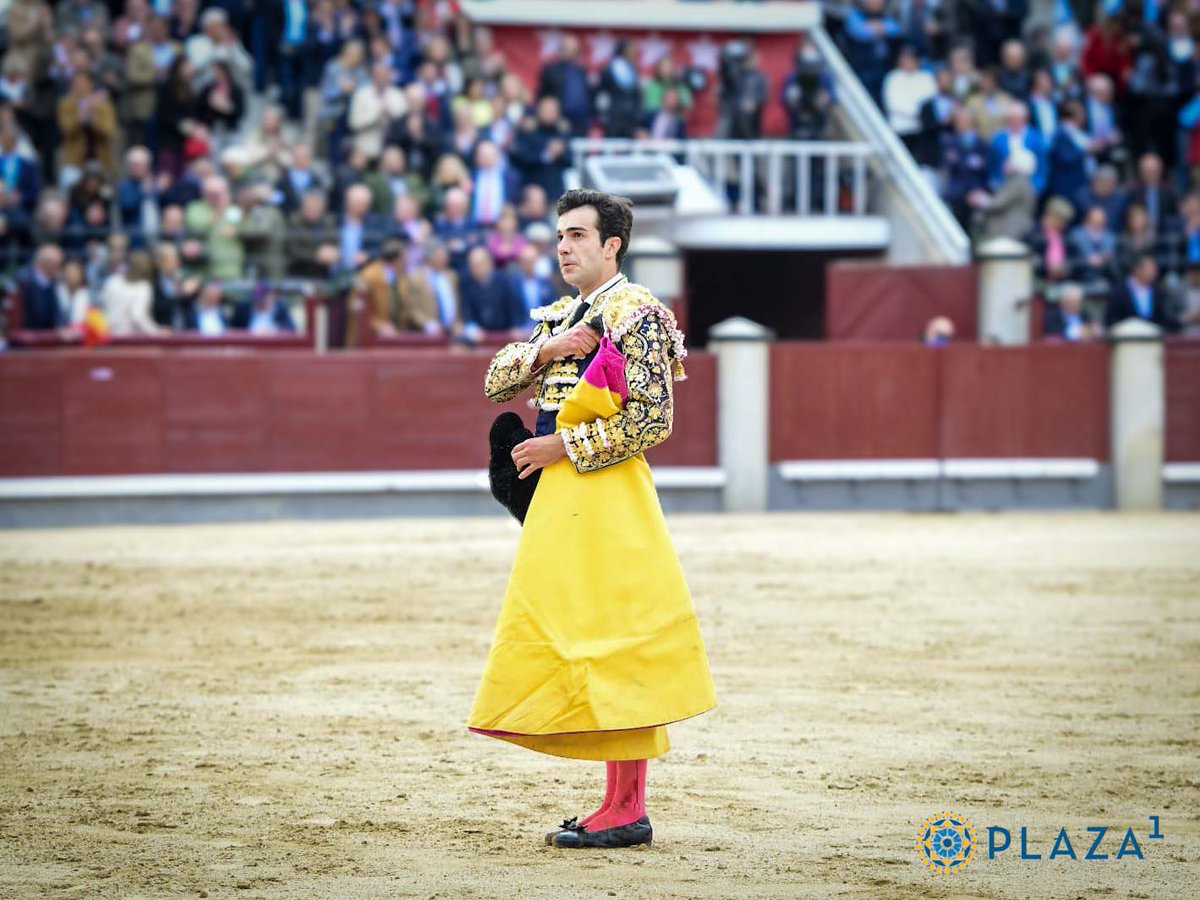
x,y
645,332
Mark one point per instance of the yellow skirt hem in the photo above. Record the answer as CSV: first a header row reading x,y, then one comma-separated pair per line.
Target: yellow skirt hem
x,y
646,742
631,743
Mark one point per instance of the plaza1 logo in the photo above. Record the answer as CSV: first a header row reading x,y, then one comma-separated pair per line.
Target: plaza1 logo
x,y
946,843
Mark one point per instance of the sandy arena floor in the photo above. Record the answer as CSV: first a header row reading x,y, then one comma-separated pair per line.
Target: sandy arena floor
x,y
278,711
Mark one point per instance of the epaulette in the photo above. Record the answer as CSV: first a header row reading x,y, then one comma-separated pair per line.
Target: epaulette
x,y
628,304
553,312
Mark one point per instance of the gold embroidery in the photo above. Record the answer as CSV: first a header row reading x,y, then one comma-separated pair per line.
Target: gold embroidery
x,y
511,369
645,332
647,416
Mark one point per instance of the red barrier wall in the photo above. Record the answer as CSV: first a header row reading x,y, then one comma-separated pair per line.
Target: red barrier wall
x,y
693,440
31,414
870,301
1042,400
112,413
886,401
1182,366
843,401
140,411
215,416
132,411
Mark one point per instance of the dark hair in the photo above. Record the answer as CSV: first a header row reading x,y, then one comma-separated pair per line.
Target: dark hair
x,y
1069,109
614,214
1141,258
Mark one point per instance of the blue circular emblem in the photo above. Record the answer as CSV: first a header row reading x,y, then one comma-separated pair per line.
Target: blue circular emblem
x,y
946,842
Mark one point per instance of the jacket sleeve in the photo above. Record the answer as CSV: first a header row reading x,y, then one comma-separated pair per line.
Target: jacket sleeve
x,y
104,119
511,370
468,302
68,116
376,297
646,418
143,298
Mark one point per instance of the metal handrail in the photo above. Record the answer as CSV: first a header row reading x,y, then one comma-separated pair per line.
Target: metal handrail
x,y
892,158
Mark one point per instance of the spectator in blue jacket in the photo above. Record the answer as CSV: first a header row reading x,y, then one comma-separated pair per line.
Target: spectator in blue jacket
x,y
1141,297
361,232
495,184
138,199
1017,133
456,229
541,151
1068,319
39,290
1104,190
1013,75
489,300
1107,139
20,175
567,82
994,22
1043,110
264,312
964,159
1095,246
619,94
871,33
1069,158
532,288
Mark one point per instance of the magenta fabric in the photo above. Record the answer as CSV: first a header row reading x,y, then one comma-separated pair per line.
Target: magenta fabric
x,y
607,369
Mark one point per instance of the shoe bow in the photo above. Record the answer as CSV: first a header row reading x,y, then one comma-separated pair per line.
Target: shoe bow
x,y
571,824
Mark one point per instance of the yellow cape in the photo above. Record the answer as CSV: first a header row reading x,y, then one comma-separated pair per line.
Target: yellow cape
x,y
597,646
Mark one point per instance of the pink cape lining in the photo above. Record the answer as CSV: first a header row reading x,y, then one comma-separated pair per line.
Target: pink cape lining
x,y
607,370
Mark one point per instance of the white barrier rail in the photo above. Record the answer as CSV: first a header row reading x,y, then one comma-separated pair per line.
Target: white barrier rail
x,y
932,469
474,481
768,177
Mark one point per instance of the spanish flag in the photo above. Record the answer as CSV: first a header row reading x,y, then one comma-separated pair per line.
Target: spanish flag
x,y
95,327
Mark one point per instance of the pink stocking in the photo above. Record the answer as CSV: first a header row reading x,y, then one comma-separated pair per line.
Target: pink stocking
x,y
610,787
628,803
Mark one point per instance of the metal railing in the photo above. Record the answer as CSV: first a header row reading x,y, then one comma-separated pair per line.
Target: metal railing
x,y
763,177
895,163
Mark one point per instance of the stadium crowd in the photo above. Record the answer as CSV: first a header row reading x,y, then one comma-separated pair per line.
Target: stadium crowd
x,y
1082,140
181,165
185,165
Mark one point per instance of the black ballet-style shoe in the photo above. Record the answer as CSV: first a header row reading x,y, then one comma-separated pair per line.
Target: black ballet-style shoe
x,y
571,824
630,835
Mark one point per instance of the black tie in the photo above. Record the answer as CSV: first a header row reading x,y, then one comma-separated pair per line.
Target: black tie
x,y
577,316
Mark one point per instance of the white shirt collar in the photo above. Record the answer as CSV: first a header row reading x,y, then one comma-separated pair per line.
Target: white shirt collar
x,y
612,282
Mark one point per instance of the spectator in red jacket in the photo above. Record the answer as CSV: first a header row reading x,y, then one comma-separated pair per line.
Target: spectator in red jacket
x,y
1106,52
